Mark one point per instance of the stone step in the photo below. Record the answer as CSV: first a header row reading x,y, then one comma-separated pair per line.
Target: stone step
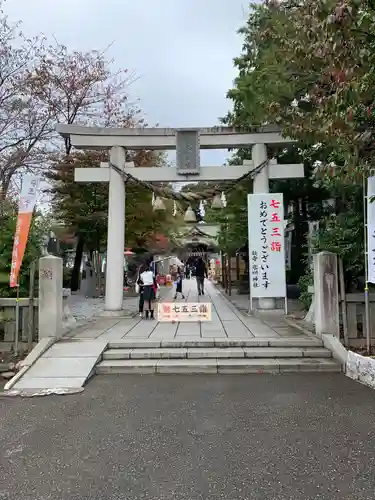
x,y
217,352
225,366
183,342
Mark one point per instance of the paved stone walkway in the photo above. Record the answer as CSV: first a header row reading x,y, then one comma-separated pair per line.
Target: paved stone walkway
x,y
227,322
70,362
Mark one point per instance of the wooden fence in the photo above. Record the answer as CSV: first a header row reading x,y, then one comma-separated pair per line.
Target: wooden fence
x,y
355,319
28,321
355,313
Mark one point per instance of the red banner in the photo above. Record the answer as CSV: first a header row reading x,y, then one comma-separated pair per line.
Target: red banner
x,y
25,211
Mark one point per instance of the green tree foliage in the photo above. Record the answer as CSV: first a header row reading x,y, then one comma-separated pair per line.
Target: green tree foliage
x,y
342,229
233,218
308,67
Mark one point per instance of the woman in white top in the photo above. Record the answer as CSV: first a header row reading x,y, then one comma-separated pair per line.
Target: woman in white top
x,y
147,281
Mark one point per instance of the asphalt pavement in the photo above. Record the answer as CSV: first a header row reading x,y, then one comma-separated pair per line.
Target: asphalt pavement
x,y
263,437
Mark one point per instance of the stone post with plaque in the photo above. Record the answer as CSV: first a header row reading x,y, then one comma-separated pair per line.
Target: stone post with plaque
x,y
50,297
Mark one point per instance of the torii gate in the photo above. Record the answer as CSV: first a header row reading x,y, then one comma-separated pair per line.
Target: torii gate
x,y
187,143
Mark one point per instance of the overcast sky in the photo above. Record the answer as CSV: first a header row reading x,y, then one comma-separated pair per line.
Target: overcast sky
x,y
181,50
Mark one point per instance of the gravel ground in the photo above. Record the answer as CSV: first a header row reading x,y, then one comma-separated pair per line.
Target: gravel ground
x,y
300,437
83,308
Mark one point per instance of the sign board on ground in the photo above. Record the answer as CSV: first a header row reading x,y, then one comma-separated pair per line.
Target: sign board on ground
x,y
184,311
266,245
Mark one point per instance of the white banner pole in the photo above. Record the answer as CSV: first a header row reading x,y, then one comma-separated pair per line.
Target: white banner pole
x,y
369,235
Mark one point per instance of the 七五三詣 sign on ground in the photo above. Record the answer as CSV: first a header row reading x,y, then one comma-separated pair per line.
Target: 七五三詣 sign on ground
x,y
175,312
266,245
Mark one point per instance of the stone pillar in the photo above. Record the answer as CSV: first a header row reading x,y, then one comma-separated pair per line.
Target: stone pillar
x,y
261,181
326,294
261,186
116,234
50,297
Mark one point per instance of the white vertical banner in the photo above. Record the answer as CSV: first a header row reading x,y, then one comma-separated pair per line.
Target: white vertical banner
x,y
266,245
371,230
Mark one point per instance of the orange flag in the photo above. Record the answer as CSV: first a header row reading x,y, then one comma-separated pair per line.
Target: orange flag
x,y
26,206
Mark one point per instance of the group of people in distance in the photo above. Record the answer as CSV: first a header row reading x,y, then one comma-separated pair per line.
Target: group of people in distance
x,y
148,287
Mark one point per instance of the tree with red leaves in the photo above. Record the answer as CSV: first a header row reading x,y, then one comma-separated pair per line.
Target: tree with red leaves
x,y
25,123
41,85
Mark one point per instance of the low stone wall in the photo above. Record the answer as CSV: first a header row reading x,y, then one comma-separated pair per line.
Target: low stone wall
x,y
361,369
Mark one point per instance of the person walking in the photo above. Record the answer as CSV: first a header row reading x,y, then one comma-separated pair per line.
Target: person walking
x,y
178,281
148,281
187,271
200,273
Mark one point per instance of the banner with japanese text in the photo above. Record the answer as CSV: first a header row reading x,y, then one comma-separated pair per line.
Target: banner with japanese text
x,y
26,206
185,311
266,245
371,229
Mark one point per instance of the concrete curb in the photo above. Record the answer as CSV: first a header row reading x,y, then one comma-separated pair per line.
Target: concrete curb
x,y
299,327
16,378
30,360
339,352
359,368
38,350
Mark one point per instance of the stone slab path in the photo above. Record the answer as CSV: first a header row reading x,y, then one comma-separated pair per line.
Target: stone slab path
x,y
66,364
70,362
227,322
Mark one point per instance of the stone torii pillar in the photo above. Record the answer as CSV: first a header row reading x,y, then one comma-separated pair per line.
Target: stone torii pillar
x,y
114,288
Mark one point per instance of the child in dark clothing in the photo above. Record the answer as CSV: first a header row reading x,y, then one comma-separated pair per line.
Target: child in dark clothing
x,y
141,300
179,284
